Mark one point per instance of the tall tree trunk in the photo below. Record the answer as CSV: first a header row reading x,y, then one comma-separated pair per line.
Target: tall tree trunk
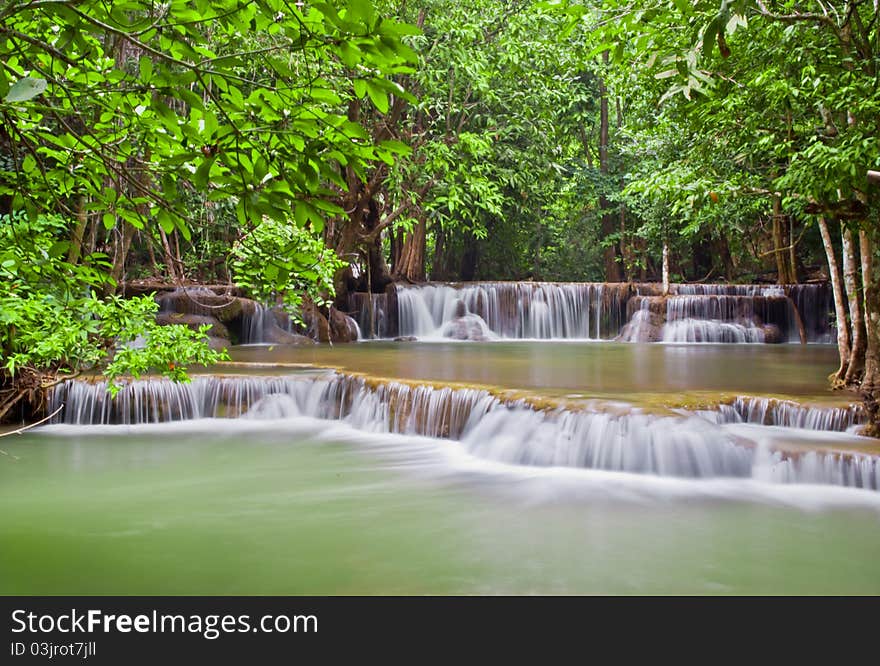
x,y
792,254
438,262
854,296
410,263
170,265
779,243
469,260
612,267
871,285
870,388
843,337
120,253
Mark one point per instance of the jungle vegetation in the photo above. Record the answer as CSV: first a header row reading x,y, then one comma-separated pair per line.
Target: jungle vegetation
x,y
307,150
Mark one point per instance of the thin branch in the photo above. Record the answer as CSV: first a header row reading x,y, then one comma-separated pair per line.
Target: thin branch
x,y
28,427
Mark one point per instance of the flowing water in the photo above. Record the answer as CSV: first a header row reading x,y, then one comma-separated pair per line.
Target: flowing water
x,y
513,466
302,506
600,311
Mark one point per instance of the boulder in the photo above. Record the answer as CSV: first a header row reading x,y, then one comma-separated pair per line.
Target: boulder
x,y
772,334
206,302
342,327
194,321
218,344
277,335
645,326
317,324
469,327
459,309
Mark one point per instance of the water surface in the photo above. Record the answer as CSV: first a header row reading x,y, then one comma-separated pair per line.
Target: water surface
x,y
593,368
310,507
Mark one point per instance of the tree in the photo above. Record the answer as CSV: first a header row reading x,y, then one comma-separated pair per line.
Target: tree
x,y
113,115
776,100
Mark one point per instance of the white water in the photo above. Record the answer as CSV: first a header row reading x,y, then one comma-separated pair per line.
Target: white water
x,y
771,412
598,311
514,310
688,446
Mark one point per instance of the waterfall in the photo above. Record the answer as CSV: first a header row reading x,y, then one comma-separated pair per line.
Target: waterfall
x,y
373,315
516,310
773,412
256,324
715,318
815,303
603,311
510,431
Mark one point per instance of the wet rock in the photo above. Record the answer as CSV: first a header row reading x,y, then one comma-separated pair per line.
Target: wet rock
x,y
206,302
772,334
645,326
218,344
277,335
459,309
217,330
342,327
469,327
406,338
318,328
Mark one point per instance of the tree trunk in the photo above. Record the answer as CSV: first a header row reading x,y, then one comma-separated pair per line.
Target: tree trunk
x,y
123,242
779,243
170,266
843,338
469,261
410,264
792,254
854,296
722,249
439,261
871,285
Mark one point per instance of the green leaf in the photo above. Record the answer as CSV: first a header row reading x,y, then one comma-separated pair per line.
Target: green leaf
x,y
378,96
145,66
200,178
25,89
395,146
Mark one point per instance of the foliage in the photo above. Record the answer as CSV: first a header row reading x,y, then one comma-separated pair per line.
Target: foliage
x,y
131,104
52,318
297,263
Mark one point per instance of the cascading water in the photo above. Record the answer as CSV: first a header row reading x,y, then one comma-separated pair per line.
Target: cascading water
x,y
772,412
509,431
516,310
714,318
256,324
599,311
